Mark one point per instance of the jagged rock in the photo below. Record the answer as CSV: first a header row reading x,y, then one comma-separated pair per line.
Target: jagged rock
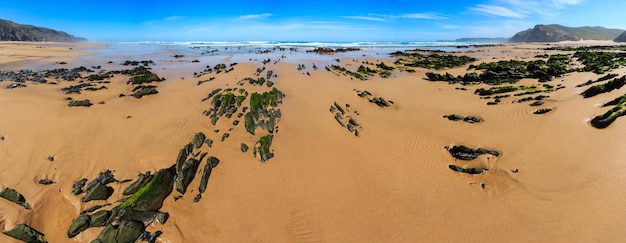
x,y
79,225
537,103
97,191
93,208
472,119
198,140
14,196
209,143
86,103
99,218
142,216
46,182
464,153
150,197
542,111
26,233
16,85
126,231
162,217
211,163
244,147
471,171
140,182
11,31
77,187
186,174
225,136
454,117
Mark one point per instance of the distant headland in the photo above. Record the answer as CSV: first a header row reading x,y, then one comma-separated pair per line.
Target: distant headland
x,y
11,31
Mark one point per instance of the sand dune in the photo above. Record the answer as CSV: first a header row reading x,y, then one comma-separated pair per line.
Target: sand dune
x,y
391,183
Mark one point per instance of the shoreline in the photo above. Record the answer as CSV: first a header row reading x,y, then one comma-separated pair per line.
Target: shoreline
x,y
392,177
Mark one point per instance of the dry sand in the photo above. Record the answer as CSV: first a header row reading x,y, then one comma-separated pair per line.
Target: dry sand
x,y
390,184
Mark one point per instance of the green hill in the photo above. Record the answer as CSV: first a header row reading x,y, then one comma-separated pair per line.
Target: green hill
x,y
555,33
10,31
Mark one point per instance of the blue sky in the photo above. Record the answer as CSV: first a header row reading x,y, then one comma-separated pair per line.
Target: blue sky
x,y
323,20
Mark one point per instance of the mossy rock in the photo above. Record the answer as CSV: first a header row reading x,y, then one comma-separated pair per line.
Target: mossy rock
x,y
263,148
14,196
140,182
244,147
99,218
79,225
150,197
141,91
211,163
198,140
26,233
186,175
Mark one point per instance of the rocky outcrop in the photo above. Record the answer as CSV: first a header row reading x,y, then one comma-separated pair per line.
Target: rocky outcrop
x,y
25,233
465,153
556,33
621,38
10,31
14,196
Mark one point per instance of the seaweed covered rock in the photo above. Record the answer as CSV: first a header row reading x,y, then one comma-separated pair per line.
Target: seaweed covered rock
x,y
143,90
126,231
26,233
99,218
14,196
465,153
140,182
262,148
150,197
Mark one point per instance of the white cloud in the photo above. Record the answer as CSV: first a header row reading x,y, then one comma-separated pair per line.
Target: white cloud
x,y
254,16
567,2
172,18
369,18
421,16
498,11
388,17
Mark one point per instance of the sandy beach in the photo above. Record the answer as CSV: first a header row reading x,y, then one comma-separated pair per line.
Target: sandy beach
x,y
556,178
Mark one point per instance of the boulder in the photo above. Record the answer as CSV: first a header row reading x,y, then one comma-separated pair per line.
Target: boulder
x,y
45,182
465,153
186,175
99,218
14,196
86,103
471,171
97,191
25,233
211,163
77,187
198,140
79,225
140,182
150,197
244,147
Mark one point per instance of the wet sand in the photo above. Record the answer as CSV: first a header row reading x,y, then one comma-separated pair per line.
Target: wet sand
x,y
391,183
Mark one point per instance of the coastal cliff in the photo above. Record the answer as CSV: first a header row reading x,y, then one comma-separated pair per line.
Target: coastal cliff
x,y
556,33
10,31
621,38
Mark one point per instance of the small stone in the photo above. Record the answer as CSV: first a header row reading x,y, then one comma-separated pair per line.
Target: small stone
x,y
46,182
51,158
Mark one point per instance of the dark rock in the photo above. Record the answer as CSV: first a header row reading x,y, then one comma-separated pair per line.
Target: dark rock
x,y
197,198
16,85
542,111
454,117
515,170
186,174
244,147
25,233
471,171
79,225
86,103
14,196
209,142
225,136
537,103
51,159
129,231
93,208
211,163
464,153
235,122
472,119
77,187
162,217
98,191
140,182
46,182
99,218
198,139
150,197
